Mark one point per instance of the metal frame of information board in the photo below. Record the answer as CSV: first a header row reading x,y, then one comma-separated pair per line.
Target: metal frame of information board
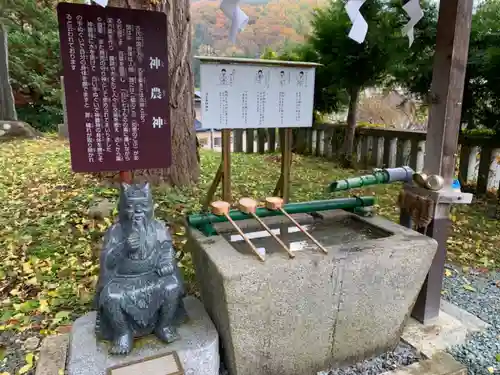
x,y
224,171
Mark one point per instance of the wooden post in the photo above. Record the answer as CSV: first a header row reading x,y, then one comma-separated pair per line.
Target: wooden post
x,y
283,186
226,161
450,62
223,172
63,102
286,164
126,176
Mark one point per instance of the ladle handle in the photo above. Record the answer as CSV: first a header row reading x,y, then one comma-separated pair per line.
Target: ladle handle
x,y
303,230
292,255
247,240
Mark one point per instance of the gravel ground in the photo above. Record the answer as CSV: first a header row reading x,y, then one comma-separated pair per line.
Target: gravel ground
x,y
404,355
479,294
15,347
476,292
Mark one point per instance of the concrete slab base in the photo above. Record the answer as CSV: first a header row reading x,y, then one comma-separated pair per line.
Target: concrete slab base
x,y
451,328
52,356
440,364
470,321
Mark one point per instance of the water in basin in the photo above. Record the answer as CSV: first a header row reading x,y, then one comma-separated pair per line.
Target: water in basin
x,y
328,232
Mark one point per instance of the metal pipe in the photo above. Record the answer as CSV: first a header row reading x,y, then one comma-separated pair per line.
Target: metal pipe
x,y
379,176
204,222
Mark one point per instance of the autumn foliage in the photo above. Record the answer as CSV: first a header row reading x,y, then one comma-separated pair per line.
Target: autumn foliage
x,y
275,24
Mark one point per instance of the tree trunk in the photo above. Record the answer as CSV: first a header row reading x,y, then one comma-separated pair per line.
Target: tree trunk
x,y
351,128
7,105
185,169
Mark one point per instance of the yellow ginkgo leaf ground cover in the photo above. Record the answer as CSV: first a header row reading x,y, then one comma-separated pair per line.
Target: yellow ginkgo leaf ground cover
x,y
49,244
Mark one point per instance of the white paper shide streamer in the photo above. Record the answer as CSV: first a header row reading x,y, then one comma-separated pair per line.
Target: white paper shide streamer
x,y
414,11
238,18
103,3
359,26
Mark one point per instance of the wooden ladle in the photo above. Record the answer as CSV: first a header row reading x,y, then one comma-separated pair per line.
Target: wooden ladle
x,y
221,208
276,204
249,206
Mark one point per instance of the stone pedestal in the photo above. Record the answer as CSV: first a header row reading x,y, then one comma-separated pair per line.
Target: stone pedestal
x,y
198,348
62,130
303,315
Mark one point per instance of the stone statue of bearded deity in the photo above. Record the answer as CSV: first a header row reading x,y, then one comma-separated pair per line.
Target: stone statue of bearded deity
x,y
140,288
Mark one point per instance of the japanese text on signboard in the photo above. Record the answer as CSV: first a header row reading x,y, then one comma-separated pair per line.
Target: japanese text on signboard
x,y
116,86
248,95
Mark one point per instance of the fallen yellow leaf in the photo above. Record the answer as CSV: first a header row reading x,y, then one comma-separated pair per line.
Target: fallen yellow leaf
x,y
29,364
27,267
469,287
32,281
44,306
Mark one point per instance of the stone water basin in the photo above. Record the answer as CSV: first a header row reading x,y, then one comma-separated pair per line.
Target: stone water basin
x,y
303,315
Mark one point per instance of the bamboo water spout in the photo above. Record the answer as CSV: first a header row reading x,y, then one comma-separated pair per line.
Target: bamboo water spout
x,y
379,176
204,221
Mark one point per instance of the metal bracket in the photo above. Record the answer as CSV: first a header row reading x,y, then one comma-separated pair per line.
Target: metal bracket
x,y
364,211
443,196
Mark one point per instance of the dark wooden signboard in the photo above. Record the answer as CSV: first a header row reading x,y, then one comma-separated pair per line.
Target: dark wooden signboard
x,y
116,86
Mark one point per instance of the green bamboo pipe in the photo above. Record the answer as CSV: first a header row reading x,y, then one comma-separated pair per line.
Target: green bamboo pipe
x,y
379,176
204,222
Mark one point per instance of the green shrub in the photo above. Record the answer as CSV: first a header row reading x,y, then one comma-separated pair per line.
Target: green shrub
x,y
363,124
41,116
34,62
479,132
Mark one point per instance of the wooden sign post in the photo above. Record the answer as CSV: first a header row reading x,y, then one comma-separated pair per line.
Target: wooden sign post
x,y
126,176
116,88
255,94
283,186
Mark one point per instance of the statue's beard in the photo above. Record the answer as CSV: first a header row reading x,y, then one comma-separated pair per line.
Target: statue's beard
x,y
137,238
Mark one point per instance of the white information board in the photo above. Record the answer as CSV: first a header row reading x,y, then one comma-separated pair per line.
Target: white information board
x,y
236,96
